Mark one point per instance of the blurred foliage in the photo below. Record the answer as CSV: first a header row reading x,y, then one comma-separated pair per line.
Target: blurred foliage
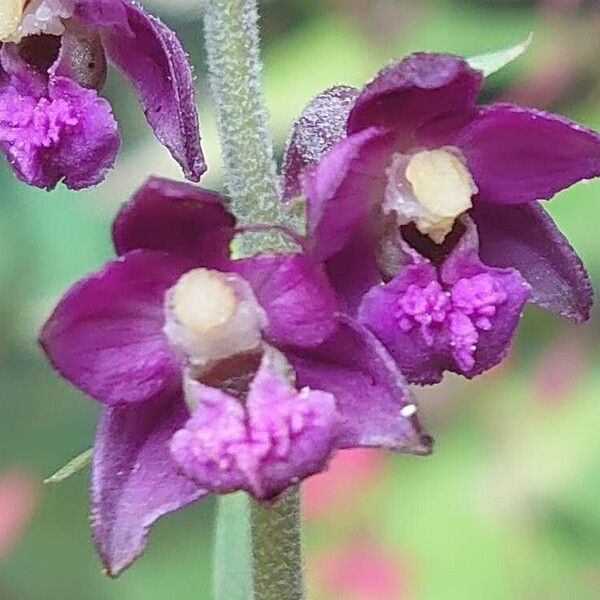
x,y
509,505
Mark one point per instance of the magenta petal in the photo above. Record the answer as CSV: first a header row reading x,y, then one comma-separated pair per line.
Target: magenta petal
x,y
178,218
69,136
372,396
520,154
103,13
321,124
134,479
277,438
17,73
105,336
409,93
158,68
526,238
354,270
343,187
294,292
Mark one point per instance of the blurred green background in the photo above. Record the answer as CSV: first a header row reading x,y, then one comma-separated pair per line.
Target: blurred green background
x,y
509,505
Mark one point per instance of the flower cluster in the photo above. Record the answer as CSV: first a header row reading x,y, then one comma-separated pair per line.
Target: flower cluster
x,y
424,241
54,125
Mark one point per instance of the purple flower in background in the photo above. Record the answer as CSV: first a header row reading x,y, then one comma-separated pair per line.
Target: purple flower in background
x,y
54,126
424,208
215,374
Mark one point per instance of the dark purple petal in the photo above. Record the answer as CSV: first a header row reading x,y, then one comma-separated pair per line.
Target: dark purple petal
x,y
371,393
104,14
342,189
459,318
294,292
409,93
444,130
105,336
521,154
69,135
277,438
134,479
526,238
321,124
178,218
158,68
354,270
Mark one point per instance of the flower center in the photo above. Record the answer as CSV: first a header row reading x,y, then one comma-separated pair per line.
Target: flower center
x,y
431,189
212,315
27,125
465,310
21,18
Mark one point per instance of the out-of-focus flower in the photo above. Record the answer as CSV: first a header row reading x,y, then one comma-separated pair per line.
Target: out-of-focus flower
x,y
252,348
54,126
423,206
361,571
349,472
17,504
561,368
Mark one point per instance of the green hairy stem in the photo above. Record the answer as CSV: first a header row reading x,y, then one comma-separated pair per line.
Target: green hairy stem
x,y
232,44
277,548
251,538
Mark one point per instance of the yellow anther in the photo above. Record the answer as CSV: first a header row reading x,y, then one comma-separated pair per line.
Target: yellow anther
x,y
202,300
442,184
11,13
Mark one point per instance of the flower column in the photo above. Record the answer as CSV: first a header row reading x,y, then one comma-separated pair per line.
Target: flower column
x,y
232,41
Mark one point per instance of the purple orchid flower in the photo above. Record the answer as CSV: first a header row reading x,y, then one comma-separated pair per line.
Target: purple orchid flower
x,y
215,374
424,208
54,126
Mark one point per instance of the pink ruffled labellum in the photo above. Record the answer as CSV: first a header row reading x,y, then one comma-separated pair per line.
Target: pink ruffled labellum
x,y
264,442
